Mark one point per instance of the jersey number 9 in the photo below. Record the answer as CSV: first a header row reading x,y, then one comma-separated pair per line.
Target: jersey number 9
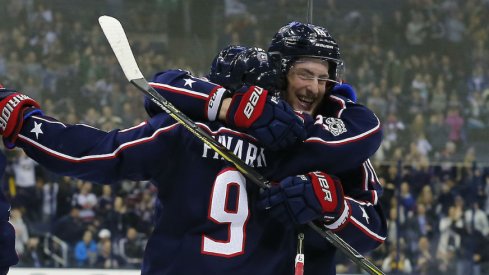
x,y
220,213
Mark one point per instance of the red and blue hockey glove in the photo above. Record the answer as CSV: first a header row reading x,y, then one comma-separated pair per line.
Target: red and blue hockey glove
x,y
14,109
270,120
306,198
8,255
345,90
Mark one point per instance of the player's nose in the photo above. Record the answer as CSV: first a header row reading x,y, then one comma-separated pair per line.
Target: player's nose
x,y
313,87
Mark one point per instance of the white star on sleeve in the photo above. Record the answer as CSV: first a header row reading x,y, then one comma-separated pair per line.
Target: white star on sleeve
x,y
37,129
365,215
189,82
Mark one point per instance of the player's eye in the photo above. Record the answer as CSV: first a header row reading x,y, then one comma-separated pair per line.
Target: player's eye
x,y
307,75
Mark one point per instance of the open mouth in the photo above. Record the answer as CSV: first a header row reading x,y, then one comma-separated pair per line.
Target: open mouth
x,y
305,102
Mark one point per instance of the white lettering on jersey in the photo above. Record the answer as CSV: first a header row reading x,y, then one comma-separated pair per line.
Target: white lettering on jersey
x,y
251,154
234,220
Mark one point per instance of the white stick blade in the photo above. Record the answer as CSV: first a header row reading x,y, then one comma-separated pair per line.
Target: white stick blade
x,y
116,36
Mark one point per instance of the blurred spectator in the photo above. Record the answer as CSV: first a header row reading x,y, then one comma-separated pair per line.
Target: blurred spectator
x,y
124,217
21,231
107,259
407,199
478,81
70,227
33,255
419,224
425,263
481,257
450,241
49,204
476,219
108,120
446,197
25,181
105,201
86,250
455,122
132,248
437,132
86,201
397,263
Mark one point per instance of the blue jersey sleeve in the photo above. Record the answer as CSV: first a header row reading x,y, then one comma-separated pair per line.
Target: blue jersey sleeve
x,y
88,153
192,95
339,140
363,225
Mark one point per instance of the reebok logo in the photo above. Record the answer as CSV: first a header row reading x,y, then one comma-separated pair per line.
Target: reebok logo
x,y
252,101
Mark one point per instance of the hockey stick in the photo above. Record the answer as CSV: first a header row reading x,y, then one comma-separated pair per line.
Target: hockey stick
x,y
120,45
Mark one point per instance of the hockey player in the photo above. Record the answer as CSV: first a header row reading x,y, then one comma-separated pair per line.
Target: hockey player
x,y
310,66
210,222
8,255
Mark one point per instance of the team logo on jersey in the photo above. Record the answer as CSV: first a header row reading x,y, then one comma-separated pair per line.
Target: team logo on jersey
x,y
333,125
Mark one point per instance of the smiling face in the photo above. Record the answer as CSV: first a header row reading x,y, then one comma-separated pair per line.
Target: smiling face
x,y
306,84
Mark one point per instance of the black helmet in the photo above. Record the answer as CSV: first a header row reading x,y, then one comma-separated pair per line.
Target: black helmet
x,y
236,66
296,40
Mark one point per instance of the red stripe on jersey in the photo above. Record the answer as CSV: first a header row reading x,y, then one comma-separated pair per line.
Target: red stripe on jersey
x,y
223,130
346,140
105,156
177,90
342,104
366,231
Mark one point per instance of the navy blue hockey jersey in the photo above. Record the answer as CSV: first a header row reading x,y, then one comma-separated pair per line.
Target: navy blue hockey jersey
x,y
207,222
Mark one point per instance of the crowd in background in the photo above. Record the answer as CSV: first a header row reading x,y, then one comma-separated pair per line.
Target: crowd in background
x,y
421,65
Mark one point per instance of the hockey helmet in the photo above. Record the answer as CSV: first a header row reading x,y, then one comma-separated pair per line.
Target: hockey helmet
x,y
236,66
296,40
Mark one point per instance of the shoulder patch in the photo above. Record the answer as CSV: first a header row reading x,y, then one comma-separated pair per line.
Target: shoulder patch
x,y
333,125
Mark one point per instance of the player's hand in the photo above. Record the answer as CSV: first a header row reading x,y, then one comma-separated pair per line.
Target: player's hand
x,y
306,198
14,108
345,90
8,256
270,120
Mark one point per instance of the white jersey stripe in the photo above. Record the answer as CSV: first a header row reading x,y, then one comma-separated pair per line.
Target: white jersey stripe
x,y
177,89
346,140
98,156
365,229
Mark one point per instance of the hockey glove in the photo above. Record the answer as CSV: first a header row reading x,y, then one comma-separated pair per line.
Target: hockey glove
x,y
8,256
345,90
14,109
306,198
270,120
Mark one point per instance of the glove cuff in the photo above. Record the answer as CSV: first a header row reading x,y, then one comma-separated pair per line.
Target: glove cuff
x,y
214,103
9,141
335,224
